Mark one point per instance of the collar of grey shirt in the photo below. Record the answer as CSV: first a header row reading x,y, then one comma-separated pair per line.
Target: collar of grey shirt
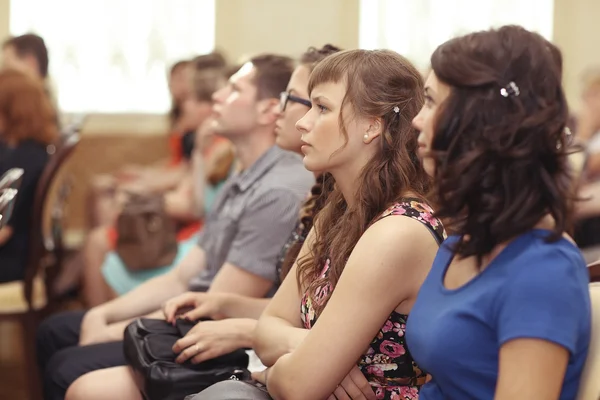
x,y
246,178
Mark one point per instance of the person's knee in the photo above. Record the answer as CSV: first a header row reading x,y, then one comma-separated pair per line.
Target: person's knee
x,y
57,332
84,388
92,386
59,373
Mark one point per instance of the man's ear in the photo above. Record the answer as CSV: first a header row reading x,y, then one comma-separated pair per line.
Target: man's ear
x,y
268,111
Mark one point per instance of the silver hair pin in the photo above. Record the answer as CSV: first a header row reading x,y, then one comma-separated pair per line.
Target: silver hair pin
x,y
396,109
510,90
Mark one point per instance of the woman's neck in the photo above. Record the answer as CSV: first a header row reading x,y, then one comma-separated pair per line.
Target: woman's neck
x,y
347,183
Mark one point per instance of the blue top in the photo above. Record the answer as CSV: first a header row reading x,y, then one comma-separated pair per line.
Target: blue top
x,y
532,289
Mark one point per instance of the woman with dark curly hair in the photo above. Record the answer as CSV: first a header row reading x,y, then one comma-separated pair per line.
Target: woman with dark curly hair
x,y
27,126
505,310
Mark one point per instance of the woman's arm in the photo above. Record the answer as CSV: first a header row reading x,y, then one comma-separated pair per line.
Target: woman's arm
x,y
160,180
279,328
383,274
531,369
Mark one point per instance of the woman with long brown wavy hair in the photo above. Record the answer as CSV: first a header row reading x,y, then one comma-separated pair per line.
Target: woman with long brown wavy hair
x,y
27,127
505,310
338,319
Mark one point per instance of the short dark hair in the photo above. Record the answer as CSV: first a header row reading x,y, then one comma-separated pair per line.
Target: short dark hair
x,y
211,60
273,72
501,157
313,55
32,45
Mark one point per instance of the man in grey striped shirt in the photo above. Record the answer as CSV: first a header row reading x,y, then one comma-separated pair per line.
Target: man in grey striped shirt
x,y
237,250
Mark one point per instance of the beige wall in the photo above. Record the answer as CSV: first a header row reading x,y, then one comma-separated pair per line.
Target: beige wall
x,y
577,32
284,26
4,23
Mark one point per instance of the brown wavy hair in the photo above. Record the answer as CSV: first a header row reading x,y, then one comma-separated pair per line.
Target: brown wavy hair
x,y
381,80
324,183
501,162
25,109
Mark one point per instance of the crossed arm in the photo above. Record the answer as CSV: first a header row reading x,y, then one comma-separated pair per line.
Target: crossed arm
x,y
383,274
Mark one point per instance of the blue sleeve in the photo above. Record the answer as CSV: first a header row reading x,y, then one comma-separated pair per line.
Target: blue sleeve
x,y
545,300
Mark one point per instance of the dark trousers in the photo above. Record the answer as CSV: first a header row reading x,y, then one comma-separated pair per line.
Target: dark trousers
x,y
62,361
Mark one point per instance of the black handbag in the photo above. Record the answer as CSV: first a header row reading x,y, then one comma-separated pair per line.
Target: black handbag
x,y
148,349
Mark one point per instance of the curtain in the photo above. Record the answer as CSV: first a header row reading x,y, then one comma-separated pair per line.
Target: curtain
x,y
113,56
414,28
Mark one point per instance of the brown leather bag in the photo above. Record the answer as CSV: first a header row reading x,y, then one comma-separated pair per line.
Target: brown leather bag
x,y
147,236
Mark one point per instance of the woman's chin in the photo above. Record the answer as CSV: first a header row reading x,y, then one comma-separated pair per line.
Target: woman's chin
x,y
309,164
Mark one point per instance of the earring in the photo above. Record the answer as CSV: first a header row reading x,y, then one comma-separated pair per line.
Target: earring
x,y
366,137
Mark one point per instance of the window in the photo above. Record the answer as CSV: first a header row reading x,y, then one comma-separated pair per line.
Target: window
x,y
414,28
112,56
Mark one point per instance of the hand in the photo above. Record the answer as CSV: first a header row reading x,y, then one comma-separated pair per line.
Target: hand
x,y
205,305
203,134
209,339
261,376
94,329
130,172
354,387
135,187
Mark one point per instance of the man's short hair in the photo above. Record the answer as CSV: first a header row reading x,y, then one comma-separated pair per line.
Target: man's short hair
x,y
273,72
32,45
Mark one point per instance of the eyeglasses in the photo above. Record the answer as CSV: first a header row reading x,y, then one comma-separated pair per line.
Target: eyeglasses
x,y
284,97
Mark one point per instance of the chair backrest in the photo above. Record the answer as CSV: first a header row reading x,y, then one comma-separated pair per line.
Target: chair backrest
x,y
589,388
7,203
12,178
594,271
37,251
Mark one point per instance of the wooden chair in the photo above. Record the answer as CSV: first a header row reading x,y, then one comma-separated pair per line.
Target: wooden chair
x,y
594,271
28,300
12,178
7,201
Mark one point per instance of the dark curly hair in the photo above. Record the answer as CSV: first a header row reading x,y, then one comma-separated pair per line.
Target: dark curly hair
x,y
501,162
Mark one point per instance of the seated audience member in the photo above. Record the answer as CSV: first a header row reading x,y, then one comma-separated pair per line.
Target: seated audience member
x,y
26,53
27,127
587,211
235,315
237,248
361,266
505,311
191,105
588,121
102,284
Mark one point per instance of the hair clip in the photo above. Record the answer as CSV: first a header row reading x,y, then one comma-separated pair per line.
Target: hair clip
x,y
510,90
568,137
396,109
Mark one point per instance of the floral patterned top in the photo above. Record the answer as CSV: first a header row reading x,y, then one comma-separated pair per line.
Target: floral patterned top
x,y
387,363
